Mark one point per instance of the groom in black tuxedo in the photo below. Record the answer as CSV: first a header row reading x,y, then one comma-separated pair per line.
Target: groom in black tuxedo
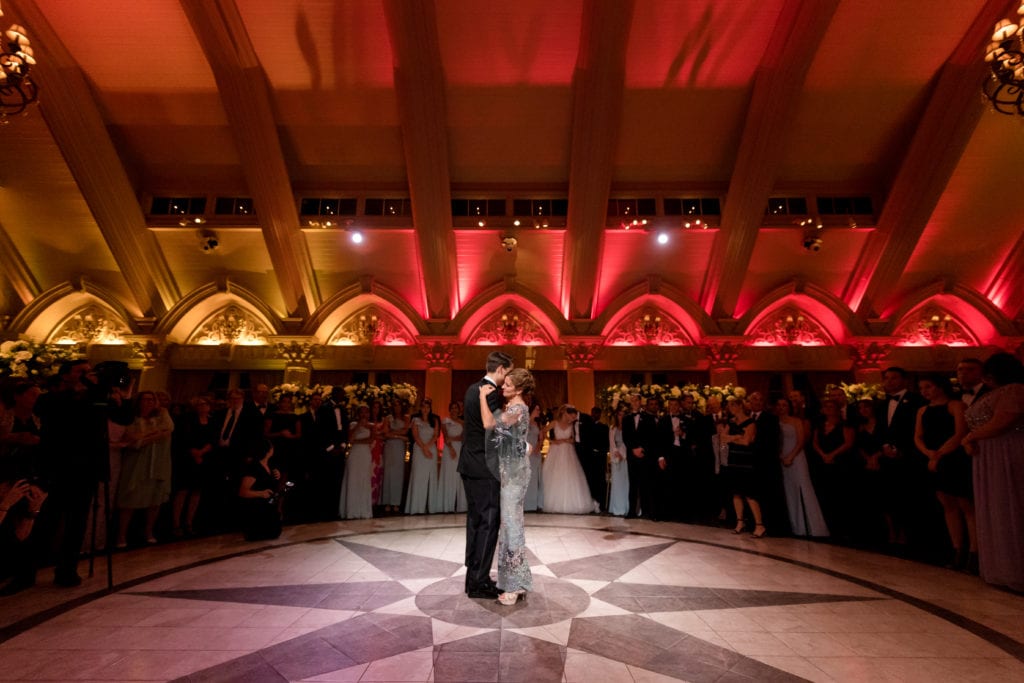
x,y
478,465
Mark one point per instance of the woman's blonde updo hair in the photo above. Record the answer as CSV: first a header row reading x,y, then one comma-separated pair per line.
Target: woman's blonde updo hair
x,y
522,380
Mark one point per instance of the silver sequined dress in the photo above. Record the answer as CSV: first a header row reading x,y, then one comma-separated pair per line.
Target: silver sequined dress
x,y
509,439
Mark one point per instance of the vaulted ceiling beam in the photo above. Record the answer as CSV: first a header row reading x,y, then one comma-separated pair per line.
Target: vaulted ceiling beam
x,y
939,141
78,128
245,95
598,91
16,270
420,89
773,105
1007,287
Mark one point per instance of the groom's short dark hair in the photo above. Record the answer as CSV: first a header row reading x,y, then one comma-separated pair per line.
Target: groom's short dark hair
x,y
498,359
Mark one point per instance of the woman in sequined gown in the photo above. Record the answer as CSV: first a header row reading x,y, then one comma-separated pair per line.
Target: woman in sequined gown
x,y
510,427
996,440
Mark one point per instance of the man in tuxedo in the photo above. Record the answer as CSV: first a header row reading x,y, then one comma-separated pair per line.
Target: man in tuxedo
x,y
897,419
329,458
968,376
587,452
768,447
596,467
306,472
478,465
672,447
261,400
639,434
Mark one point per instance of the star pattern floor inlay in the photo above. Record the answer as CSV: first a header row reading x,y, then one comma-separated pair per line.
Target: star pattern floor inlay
x,y
389,605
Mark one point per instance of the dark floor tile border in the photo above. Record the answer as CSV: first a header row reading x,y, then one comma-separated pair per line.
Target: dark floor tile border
x,y
1004,642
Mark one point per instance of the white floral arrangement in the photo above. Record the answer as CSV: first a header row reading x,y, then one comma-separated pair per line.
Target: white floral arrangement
x,y
610,397
27,360
400,390
299,393
861,391
725,393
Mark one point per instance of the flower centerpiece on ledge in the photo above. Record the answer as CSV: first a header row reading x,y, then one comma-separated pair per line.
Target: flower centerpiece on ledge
x,y
861,391
23,359
299,393
610,397
725,393
403,391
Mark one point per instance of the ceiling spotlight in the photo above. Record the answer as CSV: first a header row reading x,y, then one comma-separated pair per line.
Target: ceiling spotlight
x,y
662,238
634,224
481,223
189,222
516,222
812,243
356,236
509,243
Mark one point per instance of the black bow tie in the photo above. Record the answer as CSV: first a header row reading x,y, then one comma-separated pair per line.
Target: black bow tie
x,y
892,397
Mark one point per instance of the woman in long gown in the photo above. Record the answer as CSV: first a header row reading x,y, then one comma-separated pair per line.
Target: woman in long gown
x,y
356,500
396,442
377,453
805,518
534,492
451,492
839,469
422,495
511,425
618,498
996,441
938,433
565,485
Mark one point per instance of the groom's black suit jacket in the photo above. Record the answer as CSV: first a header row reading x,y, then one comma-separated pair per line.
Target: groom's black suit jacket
x,y
477,461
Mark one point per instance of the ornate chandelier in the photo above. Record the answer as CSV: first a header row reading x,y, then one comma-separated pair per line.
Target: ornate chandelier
x,y
17,90
1004,87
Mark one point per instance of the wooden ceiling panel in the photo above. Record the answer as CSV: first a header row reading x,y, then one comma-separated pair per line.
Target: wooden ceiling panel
x,y
528,42
698,44
509,135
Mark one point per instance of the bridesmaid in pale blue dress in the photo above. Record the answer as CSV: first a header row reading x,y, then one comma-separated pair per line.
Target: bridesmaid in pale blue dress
x,y
423,494
618,497
356,500
534,491
396,441
511,426
451,492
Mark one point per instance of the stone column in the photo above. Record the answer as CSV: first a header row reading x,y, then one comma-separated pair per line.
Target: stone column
x,y
156,368
722,363
868,359
298,358
579,362
439,374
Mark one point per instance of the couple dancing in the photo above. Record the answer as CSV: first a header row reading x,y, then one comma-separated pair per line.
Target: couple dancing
x,y
495,468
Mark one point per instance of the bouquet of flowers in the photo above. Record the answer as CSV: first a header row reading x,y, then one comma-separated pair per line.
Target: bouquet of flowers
x,y
361,393
861,391
299,393
400,390
26,359
725,393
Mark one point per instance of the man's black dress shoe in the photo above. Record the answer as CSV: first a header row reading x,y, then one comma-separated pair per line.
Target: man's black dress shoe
x,y
485,592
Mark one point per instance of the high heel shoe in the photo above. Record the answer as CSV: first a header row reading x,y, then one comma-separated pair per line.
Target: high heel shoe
x,y
755,534
741,526
509,599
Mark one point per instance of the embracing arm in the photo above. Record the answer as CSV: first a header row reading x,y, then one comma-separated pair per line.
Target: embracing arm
x,y
485,409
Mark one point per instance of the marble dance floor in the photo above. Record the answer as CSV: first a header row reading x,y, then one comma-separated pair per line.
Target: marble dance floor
x,y
382,600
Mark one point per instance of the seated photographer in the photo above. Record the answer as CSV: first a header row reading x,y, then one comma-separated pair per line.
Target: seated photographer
x,y
261,500
20,502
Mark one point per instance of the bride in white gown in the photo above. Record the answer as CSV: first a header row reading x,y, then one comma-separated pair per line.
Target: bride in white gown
x,y
565,486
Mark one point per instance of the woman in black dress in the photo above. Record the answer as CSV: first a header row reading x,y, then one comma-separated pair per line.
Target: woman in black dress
x,y
284,429
743,477
872,497
192,465
940,429
261,504
837,468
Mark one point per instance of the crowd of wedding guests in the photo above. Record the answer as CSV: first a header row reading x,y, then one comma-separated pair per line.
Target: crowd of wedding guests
x,y
930,471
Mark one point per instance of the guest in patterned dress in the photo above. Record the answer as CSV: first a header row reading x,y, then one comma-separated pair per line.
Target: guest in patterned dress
x,y
377,452
511,426
422,495
938,433
996,441
450,489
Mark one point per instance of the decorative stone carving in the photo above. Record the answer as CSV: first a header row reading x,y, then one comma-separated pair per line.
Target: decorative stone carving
x,y
871,355
438,354
581,355
510,326
90,325
789,326
933,326
297,353
370,326
648,326
231,325
150,351
722,355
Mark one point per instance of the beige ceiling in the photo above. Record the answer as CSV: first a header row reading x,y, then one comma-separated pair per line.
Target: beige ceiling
x,y
740,100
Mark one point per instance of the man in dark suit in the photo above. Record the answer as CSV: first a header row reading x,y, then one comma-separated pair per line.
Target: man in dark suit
x,y
639,435
478,465
672,450
329,460
968,376
594,446
908,469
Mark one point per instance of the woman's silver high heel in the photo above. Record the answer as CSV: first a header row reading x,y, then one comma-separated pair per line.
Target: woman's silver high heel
x,y
509,599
